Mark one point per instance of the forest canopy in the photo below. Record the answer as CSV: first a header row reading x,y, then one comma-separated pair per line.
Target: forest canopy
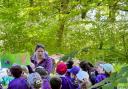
x,y
97,27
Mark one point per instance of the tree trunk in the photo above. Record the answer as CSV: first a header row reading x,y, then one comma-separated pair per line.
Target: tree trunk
x,y
62,19
31,3
111,19
124,46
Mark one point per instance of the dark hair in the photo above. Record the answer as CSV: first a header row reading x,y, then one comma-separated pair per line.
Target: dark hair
x,y
43,73
55,83
84,66
69,64
108,74
90,64
39,46
16,71
30,69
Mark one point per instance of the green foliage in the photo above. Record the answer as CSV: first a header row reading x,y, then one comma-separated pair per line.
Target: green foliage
x,y
69,56
95,29
62,26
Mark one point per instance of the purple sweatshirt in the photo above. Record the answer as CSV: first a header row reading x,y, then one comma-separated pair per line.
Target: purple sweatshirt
x,y
100,77
66,83
18,83
46,62
46,84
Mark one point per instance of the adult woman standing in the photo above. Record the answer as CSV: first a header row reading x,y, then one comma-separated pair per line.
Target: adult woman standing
x,y
40,58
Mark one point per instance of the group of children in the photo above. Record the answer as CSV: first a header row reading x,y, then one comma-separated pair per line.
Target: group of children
x,y
67,76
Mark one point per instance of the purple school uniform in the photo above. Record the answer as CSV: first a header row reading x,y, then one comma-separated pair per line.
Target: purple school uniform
x,y
45,84
66,83
100,77
18,83
68,75
46,63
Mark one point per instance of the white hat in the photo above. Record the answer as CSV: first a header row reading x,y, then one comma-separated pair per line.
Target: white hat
x,y
82,75
107,67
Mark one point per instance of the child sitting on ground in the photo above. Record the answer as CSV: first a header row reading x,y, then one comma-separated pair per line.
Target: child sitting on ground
x,y
34,81
25,71
44,75
61,70
74,71
7,78
69,66
83,79
56,83
18,82
104,71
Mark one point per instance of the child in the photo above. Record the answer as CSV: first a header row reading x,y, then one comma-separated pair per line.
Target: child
x,y
83,79
104,71
7,78
25,71
18,82
34,80
44,75
56,83
69,66
88,67
30,70
61,70
74,71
